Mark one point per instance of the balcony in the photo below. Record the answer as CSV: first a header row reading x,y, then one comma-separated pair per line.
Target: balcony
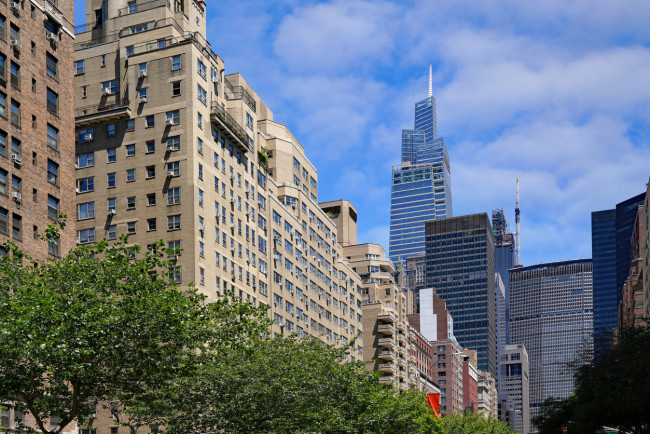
x,y
101,113
388,368
387,317
386,355
386,329
229,126
386,343
386,379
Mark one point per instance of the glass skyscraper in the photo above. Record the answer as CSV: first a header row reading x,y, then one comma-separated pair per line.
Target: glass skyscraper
x,y
611,234
420,186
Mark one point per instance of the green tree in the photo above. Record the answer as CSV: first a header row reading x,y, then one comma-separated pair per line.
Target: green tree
x,y
471,423
102,324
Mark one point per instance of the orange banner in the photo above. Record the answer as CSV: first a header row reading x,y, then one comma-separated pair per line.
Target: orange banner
x,y
433,401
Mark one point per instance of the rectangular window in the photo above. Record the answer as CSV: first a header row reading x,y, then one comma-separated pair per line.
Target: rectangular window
x,y
151,225
52,65
151,172
15,113
174,168
109,87
85,210
249,121
200,68
176,88
130,150
173,222
52,137
130,227
151,199
14,73
151,146
130,202
130,125
3,105
111,130
4,218
112,204
3,181
202,94
173,143
17,226
111,155
150,121
130,175
86,135
79,67
176,62
15,146
85,236
52,101
52,172
88,184
174,196
112,232
111,180
173,117
52,207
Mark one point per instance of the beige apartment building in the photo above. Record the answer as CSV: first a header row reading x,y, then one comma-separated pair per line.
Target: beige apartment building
x,y
487,395
171,147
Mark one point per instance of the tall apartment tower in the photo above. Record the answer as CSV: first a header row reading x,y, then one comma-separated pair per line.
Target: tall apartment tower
x,y
421,185
551,314
460,266
36,141
515,385
611,233
504,254
170,147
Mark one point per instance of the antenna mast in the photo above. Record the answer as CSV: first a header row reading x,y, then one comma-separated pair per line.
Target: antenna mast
x,y
517,217
430,83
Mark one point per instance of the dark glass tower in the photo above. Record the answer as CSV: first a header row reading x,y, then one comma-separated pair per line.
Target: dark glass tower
x,y
504,257
460,266
420,186
611,233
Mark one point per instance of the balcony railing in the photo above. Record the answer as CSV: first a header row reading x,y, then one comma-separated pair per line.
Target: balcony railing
x,y
239,92
141,7
221,113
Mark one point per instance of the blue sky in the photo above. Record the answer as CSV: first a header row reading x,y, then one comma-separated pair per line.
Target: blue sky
x,y
553,92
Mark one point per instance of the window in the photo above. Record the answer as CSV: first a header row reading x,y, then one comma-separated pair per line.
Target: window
x,y
112,232
142,95
174,168
3,143
176,88
176,62
200,197
174,196
202,94
201,171
132,7
102,60
151,147
130,150
4,217
3,27
3,181
249,121
52,207
151,225
173,116
111,180
79,66
88,184
150,121
173,222
52,137
15,146
14,73
112,204
151,172
200,68
130,175
15,113
110,130
3,105
175,274
85,236
52,101
130,202
52,172
109,87
173,143
85,210
130,227
52,65
17,226
33,85
111,155
84,91
130,125
16,184
142,69
199,120
199,146
129,48
151,199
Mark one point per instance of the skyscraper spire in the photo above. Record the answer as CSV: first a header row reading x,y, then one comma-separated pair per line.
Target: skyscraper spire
x,y
430,83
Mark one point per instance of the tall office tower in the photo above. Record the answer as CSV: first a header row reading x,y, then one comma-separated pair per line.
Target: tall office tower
x,y
36,135
504,254
171,148
515,378
501,318
436,324
460,266
421,185
551,314
36,138
611,232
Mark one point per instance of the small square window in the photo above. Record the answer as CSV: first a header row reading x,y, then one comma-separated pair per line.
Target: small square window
x,y
130,202
173,222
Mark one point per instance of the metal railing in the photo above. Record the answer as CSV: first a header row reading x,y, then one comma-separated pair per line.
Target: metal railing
x,y
239,92
99,108
231,122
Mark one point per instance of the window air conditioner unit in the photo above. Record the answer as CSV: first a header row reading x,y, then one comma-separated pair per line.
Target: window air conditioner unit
x,y
169,122
232,177
276,237
232,200
142,99
216,79
170,173
201,228
51,36
77,190
16,158
16,44
276,257
170,147
248,260
88,137
112,212
15,6
142,74
247,191
106,91
17,196
232,226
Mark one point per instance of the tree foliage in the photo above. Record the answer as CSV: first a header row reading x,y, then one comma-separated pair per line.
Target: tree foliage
x,y
614,391
99,324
